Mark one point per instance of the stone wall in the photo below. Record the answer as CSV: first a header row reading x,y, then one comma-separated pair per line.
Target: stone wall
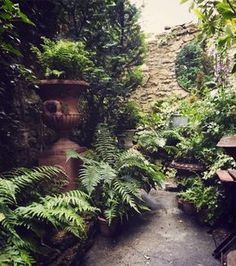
x,y
159,69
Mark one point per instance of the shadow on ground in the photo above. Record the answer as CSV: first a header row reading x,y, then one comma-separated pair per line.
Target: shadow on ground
x,y
162,237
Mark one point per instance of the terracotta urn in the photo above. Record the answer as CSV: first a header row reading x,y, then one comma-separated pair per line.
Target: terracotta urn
x,y
62,112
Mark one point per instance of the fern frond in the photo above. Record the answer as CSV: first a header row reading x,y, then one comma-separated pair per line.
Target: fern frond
x,y
75,198
14,256
94,172
133,161
127,194
105,145
31,176
7,192
59,210
13,182
110,214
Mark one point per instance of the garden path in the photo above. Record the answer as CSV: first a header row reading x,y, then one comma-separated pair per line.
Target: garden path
x,y
163,237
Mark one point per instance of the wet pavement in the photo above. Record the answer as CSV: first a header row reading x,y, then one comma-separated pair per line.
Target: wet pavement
x,y
159,238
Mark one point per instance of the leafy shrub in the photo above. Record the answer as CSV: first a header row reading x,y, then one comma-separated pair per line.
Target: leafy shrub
x,y
203,198
125,116
194,67
26,218
64,59
150,141
113,178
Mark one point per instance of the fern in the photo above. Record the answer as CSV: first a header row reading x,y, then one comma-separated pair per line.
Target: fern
x,y
127,194
62,211
105,145
13,183
12,256
94,172
133,161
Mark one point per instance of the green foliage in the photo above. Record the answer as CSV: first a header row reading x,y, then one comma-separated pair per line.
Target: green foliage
x,y
113,178
210,118
203,198
125,116
159,117
105,145
194,68
150,141
64,59
25,216
9,13
217,19
111,32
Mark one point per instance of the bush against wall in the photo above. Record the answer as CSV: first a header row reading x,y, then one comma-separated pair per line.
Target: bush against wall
x,y
194,67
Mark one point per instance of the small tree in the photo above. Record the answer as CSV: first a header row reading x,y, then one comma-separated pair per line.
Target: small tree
x,y
217,19
112,34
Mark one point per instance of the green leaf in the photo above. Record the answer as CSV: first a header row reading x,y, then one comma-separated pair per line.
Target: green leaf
x,y
2,216
24,18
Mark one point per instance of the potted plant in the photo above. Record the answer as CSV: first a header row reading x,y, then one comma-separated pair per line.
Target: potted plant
x,y
201,200
126,118
64,63
113,179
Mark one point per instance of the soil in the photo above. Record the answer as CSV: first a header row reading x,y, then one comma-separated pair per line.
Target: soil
x,y
162,237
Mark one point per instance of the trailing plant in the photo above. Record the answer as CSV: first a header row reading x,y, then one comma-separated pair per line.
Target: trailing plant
x,y
26,218
64,59
217,20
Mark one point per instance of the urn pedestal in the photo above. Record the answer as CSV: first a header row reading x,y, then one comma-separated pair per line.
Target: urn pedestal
x,y
62,112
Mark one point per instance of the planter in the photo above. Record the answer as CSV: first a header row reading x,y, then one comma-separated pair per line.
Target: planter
x,y
178,120
62,113
228,143
202,216
125,138
106,229
187,168
187,207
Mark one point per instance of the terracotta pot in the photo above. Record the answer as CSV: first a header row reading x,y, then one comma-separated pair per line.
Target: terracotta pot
x,y
62,112
106,229
186,207
125,138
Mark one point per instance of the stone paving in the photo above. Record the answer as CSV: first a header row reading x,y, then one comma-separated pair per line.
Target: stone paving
x,y
163,237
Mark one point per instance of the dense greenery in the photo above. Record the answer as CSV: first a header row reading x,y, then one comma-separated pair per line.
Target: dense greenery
x,y
217,20
29,211
64,59
194,68
209,119
113,179
111,33
111,39
19,106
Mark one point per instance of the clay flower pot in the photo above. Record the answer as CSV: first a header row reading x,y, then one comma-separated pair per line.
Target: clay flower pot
x,y
62,112
187,207
106,229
